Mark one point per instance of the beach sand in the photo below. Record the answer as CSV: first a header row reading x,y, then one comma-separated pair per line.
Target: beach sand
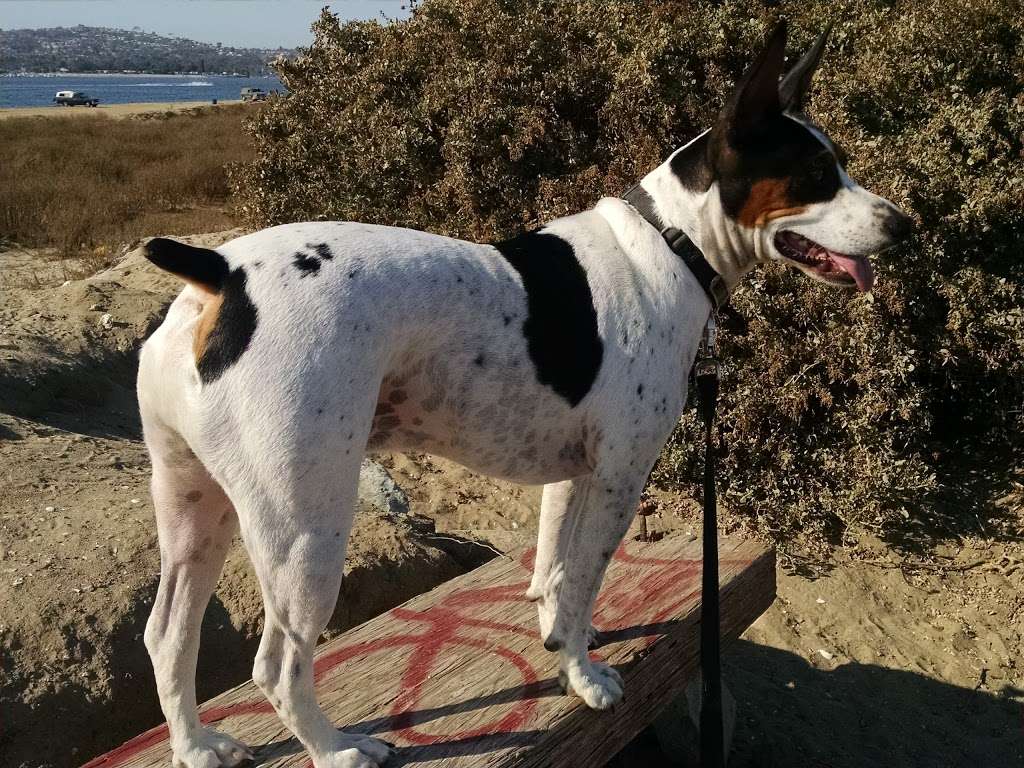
x,y
112,110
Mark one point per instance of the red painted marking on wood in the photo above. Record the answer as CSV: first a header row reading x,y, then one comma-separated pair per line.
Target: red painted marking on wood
x,y
624,602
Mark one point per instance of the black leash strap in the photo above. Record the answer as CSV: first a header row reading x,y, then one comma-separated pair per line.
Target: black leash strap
x,y
711,729
706,372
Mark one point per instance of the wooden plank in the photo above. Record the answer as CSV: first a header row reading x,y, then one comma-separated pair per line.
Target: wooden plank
x,y
457,677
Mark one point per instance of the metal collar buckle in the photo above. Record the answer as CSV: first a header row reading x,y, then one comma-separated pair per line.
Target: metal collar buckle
x,y
707,356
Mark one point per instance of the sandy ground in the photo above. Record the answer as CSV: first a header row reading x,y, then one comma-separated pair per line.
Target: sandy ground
x,y
872,658
112,110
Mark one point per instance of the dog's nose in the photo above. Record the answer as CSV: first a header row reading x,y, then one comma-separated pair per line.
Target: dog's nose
x,y
899,225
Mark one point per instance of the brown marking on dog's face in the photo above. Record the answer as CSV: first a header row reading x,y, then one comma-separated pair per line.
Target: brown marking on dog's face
x,y
207,322
193,496
768,199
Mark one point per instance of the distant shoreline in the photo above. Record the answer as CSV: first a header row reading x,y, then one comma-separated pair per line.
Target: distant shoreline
x,y
108,73
111,110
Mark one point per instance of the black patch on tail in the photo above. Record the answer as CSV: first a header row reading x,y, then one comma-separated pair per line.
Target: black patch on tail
x,y
202,266
561,324
230,337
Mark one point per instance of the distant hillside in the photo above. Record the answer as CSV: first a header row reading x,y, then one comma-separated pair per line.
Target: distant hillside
x,y
100,49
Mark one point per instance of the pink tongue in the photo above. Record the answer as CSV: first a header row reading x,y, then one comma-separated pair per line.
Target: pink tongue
x,y
859,269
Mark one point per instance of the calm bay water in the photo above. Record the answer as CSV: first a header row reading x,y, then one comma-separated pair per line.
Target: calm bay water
x,y
38,90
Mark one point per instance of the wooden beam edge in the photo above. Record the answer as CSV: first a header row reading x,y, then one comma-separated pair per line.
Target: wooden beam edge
x,y
650,687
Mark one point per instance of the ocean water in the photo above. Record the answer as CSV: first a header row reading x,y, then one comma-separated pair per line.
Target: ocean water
x,y
38,90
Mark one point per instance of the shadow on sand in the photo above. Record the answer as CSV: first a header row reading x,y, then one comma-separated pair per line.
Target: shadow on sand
x,y
792,715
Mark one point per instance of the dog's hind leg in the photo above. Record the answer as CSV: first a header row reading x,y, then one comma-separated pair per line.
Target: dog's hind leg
x,y
195,523
296,527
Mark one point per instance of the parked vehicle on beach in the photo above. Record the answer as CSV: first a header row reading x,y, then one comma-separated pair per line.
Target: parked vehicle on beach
x,y
75,99
254,94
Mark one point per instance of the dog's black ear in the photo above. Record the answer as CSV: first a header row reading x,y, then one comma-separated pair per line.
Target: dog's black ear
x,y
795,85
756,99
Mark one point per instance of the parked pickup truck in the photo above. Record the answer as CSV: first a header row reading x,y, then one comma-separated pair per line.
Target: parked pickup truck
x,y
75,99
254,94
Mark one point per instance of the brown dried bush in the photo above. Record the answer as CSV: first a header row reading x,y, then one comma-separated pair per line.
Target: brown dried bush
x,y
477,118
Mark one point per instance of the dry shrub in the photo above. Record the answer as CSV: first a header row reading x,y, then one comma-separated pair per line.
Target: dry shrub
x,y
87,183
476,118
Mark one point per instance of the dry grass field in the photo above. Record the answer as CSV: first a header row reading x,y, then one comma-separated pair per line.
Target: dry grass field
x,y
84,184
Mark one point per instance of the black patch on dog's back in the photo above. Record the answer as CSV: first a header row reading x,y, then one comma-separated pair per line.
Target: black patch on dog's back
x,y
323,251
309,264
561,323
233,330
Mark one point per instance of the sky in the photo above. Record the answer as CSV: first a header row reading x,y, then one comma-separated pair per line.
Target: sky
x,y
241,23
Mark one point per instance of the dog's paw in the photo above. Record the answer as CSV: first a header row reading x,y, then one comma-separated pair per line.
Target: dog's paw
x,y
597,683
207,748
354,751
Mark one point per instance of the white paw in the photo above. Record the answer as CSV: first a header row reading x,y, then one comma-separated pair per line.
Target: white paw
x,y
353,751
207,748
596,683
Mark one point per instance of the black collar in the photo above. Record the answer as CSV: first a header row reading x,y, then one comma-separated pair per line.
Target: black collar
x,y
681,245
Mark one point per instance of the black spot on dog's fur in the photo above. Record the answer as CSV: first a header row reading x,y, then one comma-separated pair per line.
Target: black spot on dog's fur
x,y
323,251
561,324
552,646
307,265
479,360
231,334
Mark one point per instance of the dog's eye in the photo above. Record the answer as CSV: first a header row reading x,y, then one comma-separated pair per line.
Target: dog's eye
x,y
820,167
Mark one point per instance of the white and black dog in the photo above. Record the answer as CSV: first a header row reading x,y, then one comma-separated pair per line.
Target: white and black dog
x,y
558,357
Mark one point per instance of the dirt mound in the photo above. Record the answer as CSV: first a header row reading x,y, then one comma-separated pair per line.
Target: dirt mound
x,y
74,344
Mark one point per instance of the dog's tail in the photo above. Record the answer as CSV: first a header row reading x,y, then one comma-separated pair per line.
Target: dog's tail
x,y
202,267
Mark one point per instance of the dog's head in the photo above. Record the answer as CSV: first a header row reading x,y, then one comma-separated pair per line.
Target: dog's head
x,y
781,182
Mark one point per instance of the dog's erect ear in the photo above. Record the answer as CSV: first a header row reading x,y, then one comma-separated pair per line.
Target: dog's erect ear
x,y
756,99
796,84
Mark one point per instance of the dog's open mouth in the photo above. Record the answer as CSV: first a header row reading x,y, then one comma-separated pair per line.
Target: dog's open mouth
x,y
829,265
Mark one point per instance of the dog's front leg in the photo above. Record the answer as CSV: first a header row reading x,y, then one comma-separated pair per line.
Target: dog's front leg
x,y
558,507
606,509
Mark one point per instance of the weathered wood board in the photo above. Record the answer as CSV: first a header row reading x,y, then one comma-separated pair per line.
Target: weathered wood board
x,y
457,677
